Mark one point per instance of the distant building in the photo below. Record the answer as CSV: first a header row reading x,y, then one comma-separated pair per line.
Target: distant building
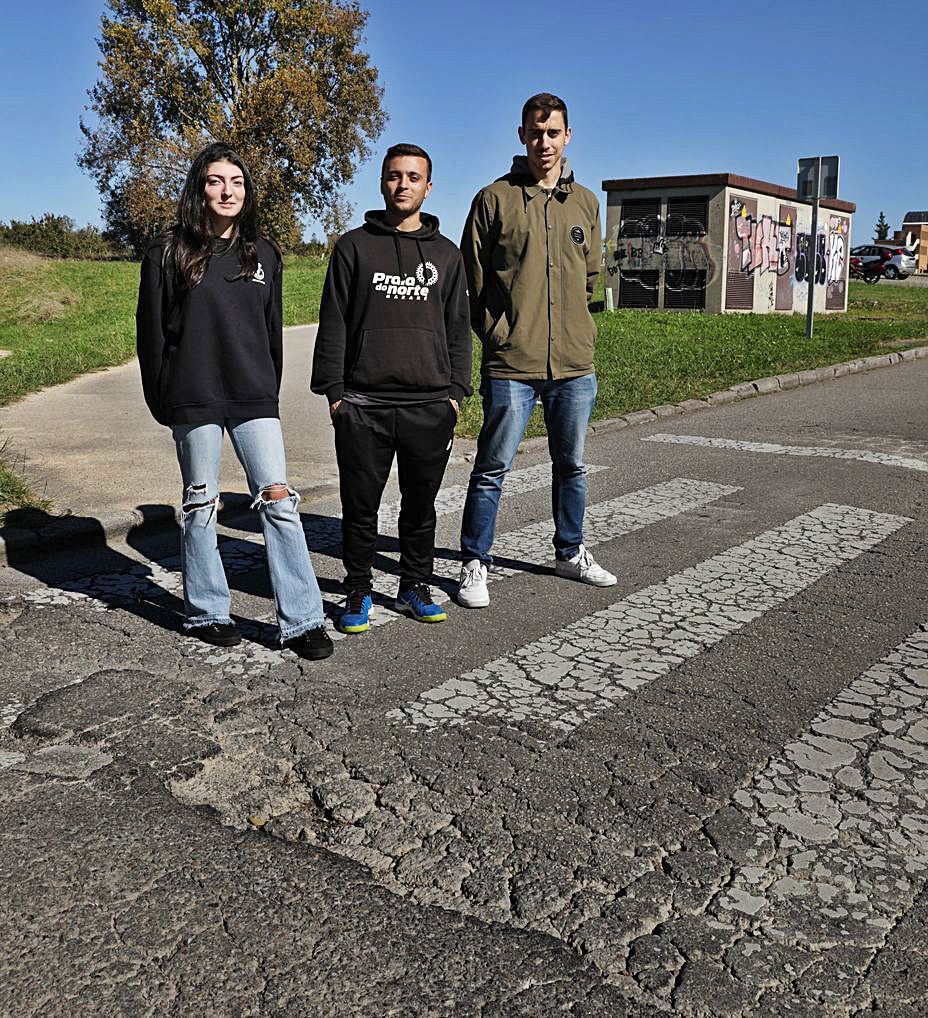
x,y
719,242
915,223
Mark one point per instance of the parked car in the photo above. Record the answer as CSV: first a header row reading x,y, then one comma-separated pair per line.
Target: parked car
x,y
898,262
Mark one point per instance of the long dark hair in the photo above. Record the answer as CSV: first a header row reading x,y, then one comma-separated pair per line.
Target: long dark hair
x,y
189,242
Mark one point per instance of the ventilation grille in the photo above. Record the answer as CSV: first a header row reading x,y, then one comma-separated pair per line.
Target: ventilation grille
x,y
739,291
641,217
687,217
638,289
685,289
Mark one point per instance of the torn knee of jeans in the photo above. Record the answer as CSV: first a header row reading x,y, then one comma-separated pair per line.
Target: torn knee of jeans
x,y
271,493
195,498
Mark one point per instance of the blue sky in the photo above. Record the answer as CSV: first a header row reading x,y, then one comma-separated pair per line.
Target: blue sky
x,y
651,88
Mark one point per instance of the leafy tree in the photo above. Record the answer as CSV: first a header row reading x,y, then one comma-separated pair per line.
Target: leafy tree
x,y
881,230
283,81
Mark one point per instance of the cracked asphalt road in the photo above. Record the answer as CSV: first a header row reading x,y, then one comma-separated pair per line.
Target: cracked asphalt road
x,y
701,792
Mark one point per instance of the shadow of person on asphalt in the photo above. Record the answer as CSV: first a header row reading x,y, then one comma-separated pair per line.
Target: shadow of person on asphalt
x,y
245,560
72,554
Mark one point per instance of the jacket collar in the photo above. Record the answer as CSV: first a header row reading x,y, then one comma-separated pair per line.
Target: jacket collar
x,y
531,188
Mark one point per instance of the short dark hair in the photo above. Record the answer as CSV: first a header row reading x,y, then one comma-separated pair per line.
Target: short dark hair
x,y
406,150
545,103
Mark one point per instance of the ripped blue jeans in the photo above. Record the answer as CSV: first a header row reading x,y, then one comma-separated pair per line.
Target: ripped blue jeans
x,y
259,445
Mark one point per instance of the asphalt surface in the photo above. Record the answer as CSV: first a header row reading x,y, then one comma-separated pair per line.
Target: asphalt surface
x,y
699,792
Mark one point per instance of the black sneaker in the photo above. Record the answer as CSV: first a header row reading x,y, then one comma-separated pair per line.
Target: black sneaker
x,y
313,645
219,634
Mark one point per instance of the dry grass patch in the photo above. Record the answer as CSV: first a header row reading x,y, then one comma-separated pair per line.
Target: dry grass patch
x,y
25,294
46,307
12,259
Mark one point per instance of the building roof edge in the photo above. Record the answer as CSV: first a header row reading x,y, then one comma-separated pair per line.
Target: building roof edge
x,y
720,180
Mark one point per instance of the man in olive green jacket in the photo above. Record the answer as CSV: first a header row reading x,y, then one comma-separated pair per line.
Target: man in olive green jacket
x,y
532,248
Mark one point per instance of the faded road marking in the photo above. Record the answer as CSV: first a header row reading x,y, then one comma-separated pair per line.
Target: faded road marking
x,y
830,841
451,499
572,675
9,712
531,546
846,806
775,449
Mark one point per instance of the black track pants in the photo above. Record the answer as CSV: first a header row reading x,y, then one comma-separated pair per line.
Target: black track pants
x,y
366,439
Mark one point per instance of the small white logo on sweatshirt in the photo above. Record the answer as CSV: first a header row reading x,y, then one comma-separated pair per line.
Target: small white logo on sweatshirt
x,y
258,277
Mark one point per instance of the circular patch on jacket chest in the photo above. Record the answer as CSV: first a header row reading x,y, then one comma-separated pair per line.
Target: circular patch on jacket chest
x,y
577,235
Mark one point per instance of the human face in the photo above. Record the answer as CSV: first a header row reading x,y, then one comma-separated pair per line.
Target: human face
x,y
225,195
405,186
544,137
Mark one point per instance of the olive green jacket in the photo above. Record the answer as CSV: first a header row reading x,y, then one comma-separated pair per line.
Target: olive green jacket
x,y
532,259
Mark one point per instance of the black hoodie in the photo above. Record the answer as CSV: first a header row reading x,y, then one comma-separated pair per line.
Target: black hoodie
x,y
395,320
215,351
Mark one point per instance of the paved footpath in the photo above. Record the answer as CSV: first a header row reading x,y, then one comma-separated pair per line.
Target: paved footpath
x,y
94,448
702,792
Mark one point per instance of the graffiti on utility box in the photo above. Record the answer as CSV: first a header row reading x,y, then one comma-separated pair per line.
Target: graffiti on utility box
x,y
839,237
764,243
644,245
804,258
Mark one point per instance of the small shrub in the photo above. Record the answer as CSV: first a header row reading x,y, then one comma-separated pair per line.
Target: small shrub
x,y
57,237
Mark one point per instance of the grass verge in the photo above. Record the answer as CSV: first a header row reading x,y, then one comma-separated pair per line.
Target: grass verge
x,y
645,358
303,279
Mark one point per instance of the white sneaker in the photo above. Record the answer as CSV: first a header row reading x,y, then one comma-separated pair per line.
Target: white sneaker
x,y
472,592
582,567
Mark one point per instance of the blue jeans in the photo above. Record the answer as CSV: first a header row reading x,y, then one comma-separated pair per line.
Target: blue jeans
x,y
507,406
259,445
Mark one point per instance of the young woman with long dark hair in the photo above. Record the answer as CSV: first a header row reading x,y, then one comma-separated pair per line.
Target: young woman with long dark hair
x,y
210,346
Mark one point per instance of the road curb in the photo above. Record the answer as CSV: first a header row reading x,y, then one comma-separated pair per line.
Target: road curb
x,y
20,544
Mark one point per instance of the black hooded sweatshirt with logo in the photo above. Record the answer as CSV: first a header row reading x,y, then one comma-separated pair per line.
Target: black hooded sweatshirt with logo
x,y
215,351
395,318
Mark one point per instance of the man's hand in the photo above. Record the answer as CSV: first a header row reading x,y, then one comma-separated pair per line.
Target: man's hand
x,y
454,403
334,406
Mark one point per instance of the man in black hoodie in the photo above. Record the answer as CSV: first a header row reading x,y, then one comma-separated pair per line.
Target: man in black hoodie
x,y
393,358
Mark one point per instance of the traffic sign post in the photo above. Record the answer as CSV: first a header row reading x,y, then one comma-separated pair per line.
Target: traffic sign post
x,y
816,178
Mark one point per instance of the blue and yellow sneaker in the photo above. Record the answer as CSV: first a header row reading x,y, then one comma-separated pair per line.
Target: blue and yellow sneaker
x,y
417,602
356,616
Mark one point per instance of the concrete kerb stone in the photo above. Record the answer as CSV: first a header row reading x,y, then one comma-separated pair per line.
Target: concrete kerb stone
x,y
71,530
640,417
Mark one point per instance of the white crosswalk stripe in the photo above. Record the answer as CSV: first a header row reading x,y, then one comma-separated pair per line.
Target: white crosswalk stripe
x,y
451,499
575,673
8,714
832,841
845,809
777,449
531,545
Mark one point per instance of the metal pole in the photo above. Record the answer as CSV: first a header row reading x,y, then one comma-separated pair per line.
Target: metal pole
x,y
813,244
